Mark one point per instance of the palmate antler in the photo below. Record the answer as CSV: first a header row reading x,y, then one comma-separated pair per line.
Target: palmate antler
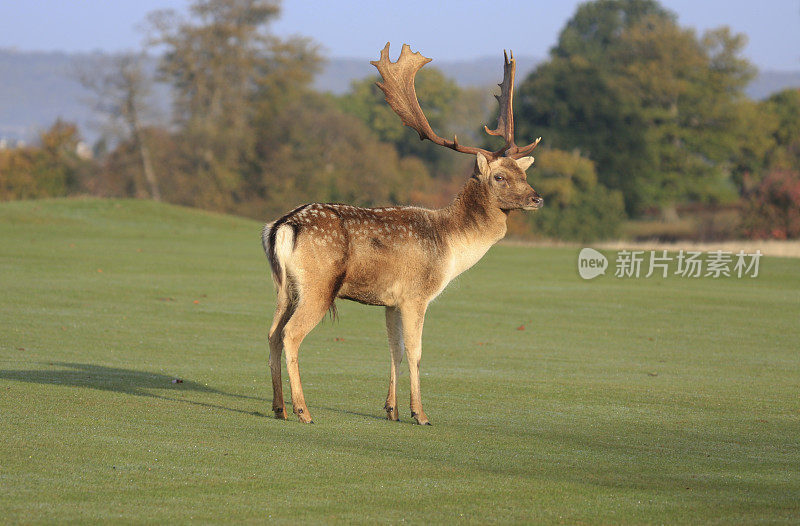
x,y
505,121
398,86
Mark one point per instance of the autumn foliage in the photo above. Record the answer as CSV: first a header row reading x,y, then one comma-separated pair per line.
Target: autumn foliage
x,y
50,169
774,208
640,118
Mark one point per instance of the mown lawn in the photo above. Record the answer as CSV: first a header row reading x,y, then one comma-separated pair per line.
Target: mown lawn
x,y
621,401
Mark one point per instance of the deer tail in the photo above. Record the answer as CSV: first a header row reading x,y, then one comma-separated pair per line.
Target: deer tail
x,y
277,238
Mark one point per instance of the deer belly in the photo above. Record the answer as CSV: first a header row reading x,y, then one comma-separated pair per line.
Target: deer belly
x,y
369,290
377,278
368,280
365,293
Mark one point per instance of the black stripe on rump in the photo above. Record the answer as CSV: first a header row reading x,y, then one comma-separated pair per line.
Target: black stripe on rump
x,y
273,259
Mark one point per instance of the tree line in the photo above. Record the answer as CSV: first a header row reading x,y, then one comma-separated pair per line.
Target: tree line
x,y
641,118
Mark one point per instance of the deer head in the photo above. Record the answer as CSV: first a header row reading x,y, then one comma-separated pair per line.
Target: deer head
x,y
501,172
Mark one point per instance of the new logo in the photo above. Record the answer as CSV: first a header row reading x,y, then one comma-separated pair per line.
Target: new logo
x,y
591,263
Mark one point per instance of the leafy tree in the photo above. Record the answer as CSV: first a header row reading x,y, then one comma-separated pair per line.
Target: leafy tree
x,y
772,206
784,108
120,87
768,140
445,105
755,144
229,74
594,30
120,170
572,103
651,103
316,152
51,169
688,91
249,136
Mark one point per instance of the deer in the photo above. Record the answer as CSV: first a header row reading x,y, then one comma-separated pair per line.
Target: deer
x,y
397,257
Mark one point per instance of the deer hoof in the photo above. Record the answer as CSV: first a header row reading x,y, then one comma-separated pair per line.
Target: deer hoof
x,y
420,419
304,417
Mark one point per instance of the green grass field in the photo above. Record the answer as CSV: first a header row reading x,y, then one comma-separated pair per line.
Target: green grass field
x,y
622,401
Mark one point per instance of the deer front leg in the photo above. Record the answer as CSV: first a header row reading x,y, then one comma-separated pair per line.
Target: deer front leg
x,y
413,316
394,330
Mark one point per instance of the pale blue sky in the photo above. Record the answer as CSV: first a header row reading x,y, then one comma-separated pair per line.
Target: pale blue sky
x,y
450,29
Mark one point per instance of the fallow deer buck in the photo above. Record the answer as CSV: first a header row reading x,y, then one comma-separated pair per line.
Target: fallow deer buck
x,y
400,258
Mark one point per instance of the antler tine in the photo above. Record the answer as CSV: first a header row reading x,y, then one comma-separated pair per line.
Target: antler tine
x,y
505,119
516,152
398,87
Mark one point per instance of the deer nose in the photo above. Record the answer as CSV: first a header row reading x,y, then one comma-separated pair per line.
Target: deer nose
x,y
537,201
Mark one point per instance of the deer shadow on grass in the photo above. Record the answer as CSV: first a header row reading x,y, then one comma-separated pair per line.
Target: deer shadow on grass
x,y
127,381
352,413
138,383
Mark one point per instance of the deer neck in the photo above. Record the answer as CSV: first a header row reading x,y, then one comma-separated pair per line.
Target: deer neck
x,y
471,225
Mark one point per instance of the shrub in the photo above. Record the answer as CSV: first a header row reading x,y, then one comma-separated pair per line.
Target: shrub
x,y
577,207
51,169
774,208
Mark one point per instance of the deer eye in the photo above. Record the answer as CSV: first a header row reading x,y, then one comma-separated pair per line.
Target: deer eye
x,y
499,178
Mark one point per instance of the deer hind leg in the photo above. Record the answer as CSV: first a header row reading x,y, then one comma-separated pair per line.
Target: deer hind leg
x,y
311,308
283,311
394,330
413,317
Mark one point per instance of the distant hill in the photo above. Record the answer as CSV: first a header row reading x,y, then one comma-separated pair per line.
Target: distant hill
x,y
36,87
485,71
768,82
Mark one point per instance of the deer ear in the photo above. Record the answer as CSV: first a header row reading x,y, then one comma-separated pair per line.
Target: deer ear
x,y
483,165
525,163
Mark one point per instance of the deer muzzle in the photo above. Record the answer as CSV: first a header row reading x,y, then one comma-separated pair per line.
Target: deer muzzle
x,y
534,202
